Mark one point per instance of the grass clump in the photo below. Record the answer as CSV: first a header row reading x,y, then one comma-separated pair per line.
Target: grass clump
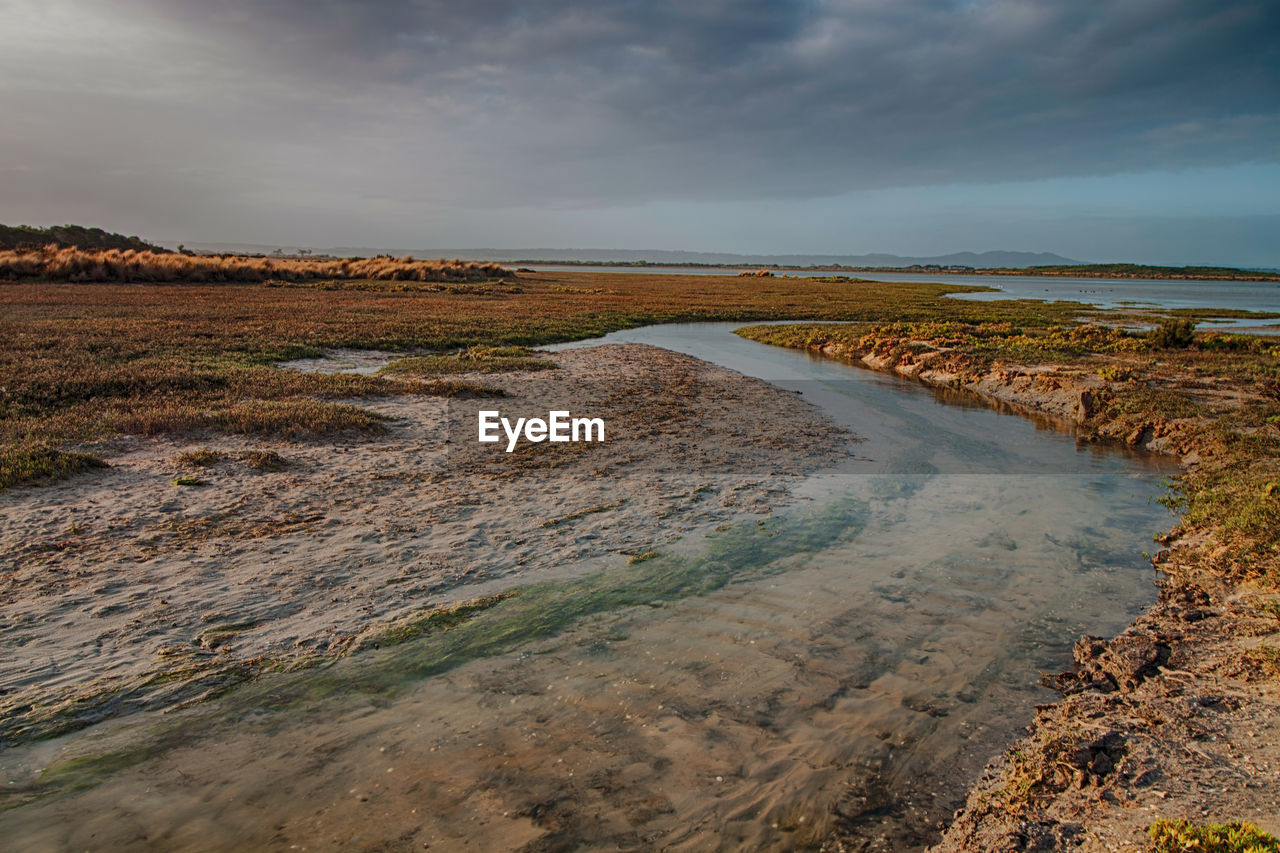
x,y
200,458
1266,658
474,359
189,480
263,460
42,464
1150,401
289,419
458,388
1236,493
1245,499
1181,836
1117,373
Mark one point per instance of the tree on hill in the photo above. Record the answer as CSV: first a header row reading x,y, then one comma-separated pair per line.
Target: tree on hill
x,y
70,236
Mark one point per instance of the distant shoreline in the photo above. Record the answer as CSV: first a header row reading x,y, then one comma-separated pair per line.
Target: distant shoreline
x,y
29,238
1119,272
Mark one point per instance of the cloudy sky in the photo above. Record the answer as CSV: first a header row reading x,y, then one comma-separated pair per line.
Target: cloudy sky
x,y
1144,130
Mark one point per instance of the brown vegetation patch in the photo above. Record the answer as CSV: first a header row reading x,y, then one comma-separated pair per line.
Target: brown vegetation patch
x,y
39,463
202,457
87,361
474,359
131,265
263,460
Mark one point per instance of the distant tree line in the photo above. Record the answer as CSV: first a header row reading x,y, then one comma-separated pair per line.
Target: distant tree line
x,y
70,237
1145,271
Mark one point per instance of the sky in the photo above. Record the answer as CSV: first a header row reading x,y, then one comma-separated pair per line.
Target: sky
x,y
1102,130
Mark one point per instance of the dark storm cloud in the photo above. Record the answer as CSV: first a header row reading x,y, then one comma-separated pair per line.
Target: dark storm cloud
x,y
327,112
726,99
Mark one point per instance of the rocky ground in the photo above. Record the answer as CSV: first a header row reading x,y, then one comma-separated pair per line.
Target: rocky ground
x,y
1177,717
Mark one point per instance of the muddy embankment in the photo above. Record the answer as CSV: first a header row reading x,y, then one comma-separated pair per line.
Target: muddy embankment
x,y
1179,715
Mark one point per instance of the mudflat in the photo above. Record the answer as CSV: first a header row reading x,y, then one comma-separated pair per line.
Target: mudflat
x,y
131,590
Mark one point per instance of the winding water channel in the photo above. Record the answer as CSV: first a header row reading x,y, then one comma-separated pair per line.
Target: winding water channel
x,y
848,666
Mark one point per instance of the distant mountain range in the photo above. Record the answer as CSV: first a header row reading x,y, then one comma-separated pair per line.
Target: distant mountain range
x,y
984,260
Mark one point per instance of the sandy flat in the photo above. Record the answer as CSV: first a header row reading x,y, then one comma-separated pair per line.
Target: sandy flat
x,y
130,591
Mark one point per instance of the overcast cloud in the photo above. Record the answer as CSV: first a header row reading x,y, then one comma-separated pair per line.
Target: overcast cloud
x,y
416,123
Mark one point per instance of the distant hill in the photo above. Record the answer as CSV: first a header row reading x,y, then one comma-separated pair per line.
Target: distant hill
x,y
70,236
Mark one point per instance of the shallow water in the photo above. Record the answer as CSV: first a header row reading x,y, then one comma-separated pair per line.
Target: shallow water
x,y
847,665
1138,294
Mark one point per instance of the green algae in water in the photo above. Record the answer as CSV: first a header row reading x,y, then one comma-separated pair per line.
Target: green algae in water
x,y
542,610
743,553
897,487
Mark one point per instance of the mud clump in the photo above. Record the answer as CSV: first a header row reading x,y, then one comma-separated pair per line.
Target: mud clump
x,y
1120,664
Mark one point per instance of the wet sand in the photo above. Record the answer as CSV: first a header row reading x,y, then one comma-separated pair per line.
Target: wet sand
x,y
129,591
855,690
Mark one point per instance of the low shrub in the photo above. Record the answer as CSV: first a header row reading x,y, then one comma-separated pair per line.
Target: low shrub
x,y
1173,334
263,460
1179,836
201,458
42,463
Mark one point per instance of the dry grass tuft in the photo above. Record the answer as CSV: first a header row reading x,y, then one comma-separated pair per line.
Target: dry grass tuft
x,y
475,359
41,463
77,265
263,460
460,389
288,419
200,458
